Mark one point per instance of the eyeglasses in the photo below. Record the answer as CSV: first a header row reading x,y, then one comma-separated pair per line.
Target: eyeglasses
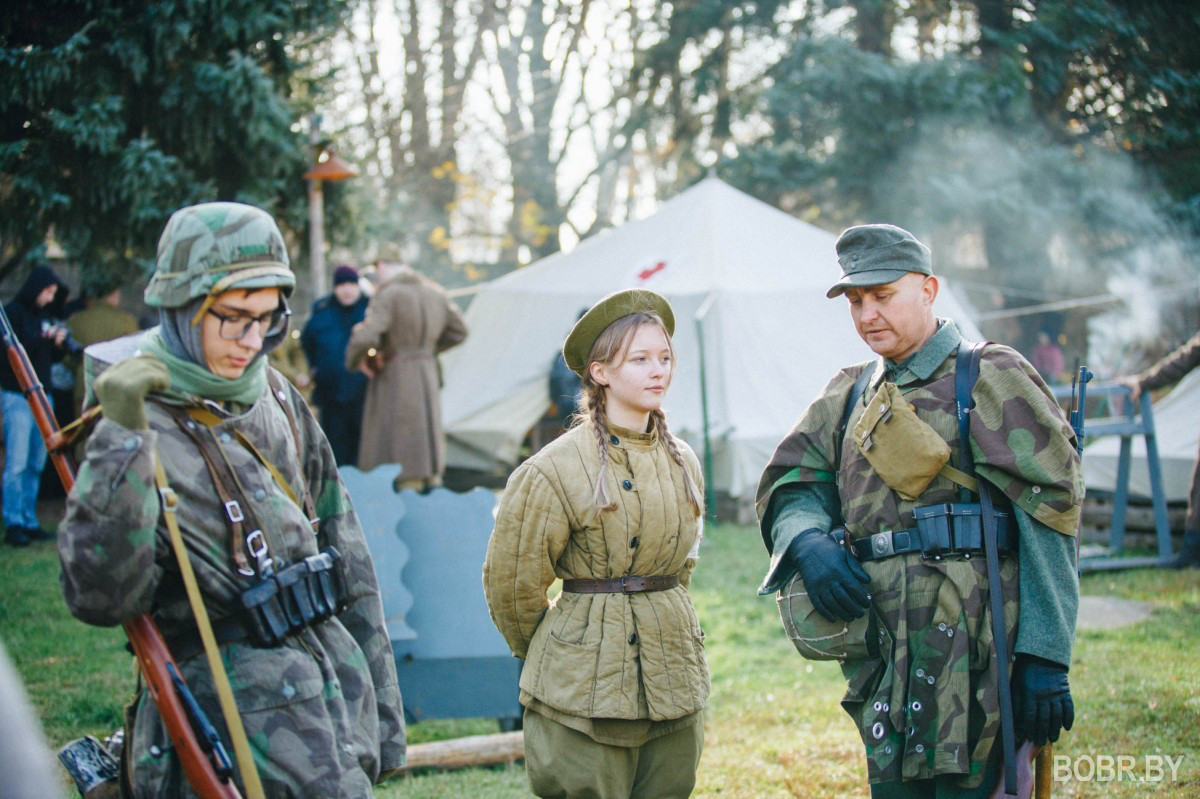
x,y
235,327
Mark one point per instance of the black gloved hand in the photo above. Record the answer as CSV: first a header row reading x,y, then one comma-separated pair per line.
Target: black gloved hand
x,y
1043,698
836,582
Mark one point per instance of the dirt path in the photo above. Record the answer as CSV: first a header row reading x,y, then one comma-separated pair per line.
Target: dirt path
x,y
1109,612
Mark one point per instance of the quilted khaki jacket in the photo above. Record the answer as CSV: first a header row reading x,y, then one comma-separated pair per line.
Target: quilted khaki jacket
x,y
615,656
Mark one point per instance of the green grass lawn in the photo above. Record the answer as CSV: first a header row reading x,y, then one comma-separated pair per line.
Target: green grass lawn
x,y
774,726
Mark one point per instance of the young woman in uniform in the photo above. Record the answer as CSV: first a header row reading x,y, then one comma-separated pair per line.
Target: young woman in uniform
x,y
614,682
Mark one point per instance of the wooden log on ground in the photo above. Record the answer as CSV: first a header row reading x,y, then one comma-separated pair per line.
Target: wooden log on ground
x,y
474,750
1098,513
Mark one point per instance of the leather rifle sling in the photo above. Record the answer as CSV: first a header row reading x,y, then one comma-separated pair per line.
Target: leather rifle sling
x,y
233,720
965,376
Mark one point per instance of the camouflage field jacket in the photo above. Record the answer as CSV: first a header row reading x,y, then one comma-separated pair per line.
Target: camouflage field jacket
x,y
612,655
323,710
926,703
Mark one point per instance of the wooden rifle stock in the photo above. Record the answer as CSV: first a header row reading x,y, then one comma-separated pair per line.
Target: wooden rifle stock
x,y
147,642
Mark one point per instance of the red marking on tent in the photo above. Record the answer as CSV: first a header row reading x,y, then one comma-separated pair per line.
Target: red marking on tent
x,y
646,274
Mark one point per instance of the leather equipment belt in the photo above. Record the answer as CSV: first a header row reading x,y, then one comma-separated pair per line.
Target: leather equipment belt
x,y
187,645
958,540
621,585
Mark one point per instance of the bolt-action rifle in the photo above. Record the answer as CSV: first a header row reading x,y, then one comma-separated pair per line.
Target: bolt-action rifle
x,y
203,758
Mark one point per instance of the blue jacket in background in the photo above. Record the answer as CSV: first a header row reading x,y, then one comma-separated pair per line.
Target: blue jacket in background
x,y
324,340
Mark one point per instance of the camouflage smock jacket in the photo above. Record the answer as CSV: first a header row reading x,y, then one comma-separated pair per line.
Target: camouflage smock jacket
x,y
600,656
323,710
925,702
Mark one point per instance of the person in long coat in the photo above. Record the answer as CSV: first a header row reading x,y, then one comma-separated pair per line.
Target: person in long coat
x,y
615,681
410,320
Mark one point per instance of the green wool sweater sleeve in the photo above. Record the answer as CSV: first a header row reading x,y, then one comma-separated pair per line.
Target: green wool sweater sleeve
x,y
794,509
1049,586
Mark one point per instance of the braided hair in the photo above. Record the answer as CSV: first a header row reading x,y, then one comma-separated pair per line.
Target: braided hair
x,y
611,347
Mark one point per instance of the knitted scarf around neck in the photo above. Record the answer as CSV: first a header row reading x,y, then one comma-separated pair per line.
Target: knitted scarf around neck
x,y
190,380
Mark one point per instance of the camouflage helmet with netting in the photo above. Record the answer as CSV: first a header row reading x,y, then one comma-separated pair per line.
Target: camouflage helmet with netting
x,y
816,637
208,249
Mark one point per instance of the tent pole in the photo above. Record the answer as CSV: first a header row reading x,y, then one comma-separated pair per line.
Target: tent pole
x,y
710,498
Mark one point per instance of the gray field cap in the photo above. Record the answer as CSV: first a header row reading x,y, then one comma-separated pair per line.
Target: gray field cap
x,y
874,255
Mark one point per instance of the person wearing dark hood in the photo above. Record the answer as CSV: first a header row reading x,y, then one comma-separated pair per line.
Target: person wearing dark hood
x,y
24,451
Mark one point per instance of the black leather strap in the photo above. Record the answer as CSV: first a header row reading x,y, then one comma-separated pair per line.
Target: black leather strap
x,y
966,372
187,645
856,392
621,585
999,639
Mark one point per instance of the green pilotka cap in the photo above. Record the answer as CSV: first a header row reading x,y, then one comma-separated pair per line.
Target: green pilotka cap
x,y
875,255
622,303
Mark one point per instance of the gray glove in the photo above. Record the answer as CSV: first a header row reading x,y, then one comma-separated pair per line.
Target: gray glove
x,y
122,389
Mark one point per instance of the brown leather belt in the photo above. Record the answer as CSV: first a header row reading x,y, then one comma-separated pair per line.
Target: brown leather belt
x,y
621,585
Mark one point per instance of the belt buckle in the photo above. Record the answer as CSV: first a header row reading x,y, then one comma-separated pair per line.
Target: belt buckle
x,y
625,585
256,544
882,545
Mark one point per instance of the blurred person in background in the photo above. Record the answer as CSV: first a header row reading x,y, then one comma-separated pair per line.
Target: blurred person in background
x,y
1047,358
24,452
1166,372
409,322
338,393
101,320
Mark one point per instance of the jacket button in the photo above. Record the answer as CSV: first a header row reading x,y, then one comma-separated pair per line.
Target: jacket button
x,y
633,542
614,439
633,638
627,485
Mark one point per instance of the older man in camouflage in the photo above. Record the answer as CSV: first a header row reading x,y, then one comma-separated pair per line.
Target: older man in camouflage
x,y
261,509
925,696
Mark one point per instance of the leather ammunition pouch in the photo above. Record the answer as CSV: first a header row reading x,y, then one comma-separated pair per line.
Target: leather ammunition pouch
x,y
945,529
293,598
904,451
303,594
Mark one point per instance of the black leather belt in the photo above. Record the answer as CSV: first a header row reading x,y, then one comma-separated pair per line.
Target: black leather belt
x,y
954,539
187,645
621,585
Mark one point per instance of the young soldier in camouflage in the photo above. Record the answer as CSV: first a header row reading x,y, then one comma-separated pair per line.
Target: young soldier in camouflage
x,y
320,705
926,699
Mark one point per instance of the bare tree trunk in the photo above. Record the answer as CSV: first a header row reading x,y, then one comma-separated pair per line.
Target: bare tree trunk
x,y
874,21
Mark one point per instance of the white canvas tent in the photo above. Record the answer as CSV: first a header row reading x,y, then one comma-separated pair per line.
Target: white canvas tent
x,y
1177,432
772,338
